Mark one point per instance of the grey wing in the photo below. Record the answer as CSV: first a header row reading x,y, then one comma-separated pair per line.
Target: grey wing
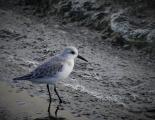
x,y
49,69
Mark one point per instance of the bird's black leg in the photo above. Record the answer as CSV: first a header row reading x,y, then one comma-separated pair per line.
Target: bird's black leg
x,y
50,99
49,109
57,109
60,101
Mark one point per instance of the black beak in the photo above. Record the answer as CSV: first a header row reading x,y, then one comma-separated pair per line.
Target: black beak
x,y
82,58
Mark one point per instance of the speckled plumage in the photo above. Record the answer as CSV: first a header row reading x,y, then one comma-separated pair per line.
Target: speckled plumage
x,y
56,68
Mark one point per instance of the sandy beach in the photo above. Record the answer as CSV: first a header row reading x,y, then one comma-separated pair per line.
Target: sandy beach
x,y
114,84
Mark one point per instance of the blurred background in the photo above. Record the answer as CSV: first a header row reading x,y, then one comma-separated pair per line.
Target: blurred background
x,y
117,37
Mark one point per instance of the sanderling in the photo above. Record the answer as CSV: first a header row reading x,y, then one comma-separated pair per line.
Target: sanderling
x,y
56,68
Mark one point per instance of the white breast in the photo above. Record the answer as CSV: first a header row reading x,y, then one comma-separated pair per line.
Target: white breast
x,y
67,69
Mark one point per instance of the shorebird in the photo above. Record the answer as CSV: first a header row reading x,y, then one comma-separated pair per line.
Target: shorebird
x,y
56,68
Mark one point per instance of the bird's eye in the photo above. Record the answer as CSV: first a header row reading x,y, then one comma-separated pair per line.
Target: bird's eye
x,y
72,52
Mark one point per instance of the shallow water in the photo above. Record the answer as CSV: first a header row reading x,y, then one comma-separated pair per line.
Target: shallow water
x,y
112,80
20,105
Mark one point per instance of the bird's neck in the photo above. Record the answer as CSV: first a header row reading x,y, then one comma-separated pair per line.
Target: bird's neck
x,y
70,62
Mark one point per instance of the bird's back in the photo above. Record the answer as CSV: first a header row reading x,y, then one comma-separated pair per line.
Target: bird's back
x,y
48,69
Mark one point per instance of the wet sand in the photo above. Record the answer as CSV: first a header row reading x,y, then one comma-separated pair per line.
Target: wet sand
x,y
114,85
16,104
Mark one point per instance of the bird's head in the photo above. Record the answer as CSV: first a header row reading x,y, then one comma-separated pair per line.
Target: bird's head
x,y
72,53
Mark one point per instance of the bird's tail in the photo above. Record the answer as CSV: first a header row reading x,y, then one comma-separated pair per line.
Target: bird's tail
x,y
25,77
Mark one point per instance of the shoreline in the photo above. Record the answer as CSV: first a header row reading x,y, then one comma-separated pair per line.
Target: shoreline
x,y
114,72
19,104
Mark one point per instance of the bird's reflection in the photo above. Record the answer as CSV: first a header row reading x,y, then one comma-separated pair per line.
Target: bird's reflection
x,y
50,116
